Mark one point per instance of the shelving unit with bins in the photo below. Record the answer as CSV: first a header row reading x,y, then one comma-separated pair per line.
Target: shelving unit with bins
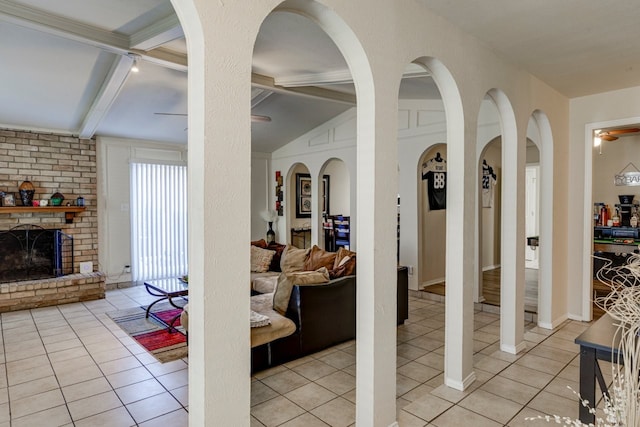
x,y
341,231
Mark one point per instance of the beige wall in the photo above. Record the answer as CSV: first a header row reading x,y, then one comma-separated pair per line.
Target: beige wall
x,y
623,153
588,113
491,216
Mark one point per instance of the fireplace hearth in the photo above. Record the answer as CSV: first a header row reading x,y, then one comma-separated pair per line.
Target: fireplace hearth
x,y
29,252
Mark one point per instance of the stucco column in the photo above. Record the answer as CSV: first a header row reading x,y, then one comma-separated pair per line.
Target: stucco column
x,y
513,236
460,274
219,206
376,291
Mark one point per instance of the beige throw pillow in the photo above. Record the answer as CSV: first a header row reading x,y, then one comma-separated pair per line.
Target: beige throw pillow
x,y
293,259
286,281
260,259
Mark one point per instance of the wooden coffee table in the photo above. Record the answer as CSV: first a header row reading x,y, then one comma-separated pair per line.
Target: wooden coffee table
x,y
172,290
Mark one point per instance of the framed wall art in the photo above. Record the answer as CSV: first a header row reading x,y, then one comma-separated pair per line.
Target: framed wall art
x,y
325,194
8,200
303,195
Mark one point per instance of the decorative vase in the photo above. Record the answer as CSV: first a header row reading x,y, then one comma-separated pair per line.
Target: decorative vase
x,y
271,235
27,190
56,199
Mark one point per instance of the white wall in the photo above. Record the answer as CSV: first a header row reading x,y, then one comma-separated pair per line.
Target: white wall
x,y
262,184
616,156
317,150
339,188
114,217
588,113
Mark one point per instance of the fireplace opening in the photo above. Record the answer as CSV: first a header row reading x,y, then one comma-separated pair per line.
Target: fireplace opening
x,y
30,252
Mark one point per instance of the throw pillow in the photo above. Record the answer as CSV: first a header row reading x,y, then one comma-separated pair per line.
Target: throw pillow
x,y
342,252
258,320
293,259
260,259
275,262
259,243
346,267
286,281
319,258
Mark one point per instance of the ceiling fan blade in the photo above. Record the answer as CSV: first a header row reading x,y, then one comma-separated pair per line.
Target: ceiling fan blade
x,y
257,118
254,117
622,131
607,137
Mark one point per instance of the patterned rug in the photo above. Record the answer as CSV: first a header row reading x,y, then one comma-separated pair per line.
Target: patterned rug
x,y
152,334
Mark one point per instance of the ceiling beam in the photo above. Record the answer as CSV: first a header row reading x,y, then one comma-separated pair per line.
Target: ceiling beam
x,y
266,82
110,89
338,77
157,34
109,41
35,19
259,96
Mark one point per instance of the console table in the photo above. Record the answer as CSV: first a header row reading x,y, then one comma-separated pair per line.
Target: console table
x,y
596,343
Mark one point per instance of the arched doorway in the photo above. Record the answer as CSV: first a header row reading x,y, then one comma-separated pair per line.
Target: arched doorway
x,y
334,201
511,246
540,143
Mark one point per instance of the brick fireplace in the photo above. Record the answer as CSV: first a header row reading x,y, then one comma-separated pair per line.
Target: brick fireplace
x,y
53,163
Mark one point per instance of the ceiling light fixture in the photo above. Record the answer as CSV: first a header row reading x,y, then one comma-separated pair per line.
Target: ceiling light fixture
x,y
596,139
135,57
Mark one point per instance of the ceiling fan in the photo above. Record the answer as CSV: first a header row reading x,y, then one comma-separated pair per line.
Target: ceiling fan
x,y
613,134
254,117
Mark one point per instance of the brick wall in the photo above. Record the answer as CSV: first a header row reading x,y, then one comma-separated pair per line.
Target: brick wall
x,y
53,163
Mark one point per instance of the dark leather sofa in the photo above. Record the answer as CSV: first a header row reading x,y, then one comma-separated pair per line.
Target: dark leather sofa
x,y
325,315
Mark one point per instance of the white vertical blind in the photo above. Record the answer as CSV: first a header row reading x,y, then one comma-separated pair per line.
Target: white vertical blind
x,y
158,221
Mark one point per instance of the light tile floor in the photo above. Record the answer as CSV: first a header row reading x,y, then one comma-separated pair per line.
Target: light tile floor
x,y
70,365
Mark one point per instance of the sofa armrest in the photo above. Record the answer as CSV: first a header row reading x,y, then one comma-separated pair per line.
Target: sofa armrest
x,y
324,314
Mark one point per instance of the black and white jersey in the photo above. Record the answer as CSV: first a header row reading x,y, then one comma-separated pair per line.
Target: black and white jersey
x,y
488,182
435,172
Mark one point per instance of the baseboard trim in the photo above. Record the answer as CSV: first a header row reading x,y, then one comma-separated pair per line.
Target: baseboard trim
x,y
490,267
554,324
461,385
394,424
513,349
577,317
432,282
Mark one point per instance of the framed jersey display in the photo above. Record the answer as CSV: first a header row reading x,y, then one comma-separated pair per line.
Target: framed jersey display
x,y
434,171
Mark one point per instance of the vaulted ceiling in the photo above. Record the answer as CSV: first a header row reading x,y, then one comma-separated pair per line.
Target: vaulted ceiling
x,y
66,66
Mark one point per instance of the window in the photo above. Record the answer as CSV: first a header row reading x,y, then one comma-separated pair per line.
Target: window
x,y
158,220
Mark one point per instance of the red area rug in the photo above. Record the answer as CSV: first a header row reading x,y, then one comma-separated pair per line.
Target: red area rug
x,y
151,333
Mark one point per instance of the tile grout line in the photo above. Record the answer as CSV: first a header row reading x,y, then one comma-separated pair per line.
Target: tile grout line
x,y
144,365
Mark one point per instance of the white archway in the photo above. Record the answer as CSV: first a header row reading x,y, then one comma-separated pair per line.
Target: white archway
x,y
547,304
512,238
459,372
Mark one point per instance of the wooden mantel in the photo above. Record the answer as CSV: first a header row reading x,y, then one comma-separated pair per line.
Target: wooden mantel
x,y
69,211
